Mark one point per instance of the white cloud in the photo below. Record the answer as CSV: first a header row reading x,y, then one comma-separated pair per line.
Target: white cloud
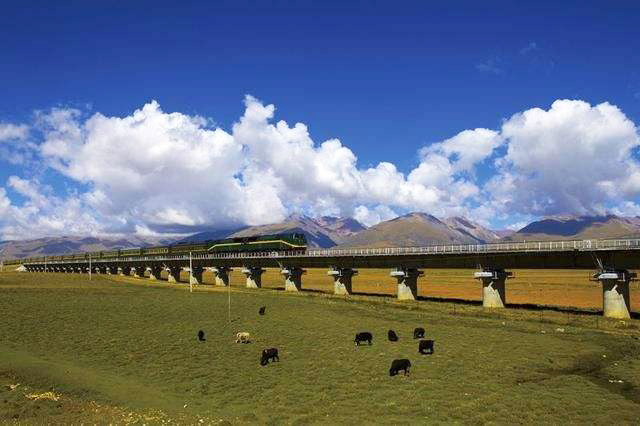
x,y
15,147
155,172
371,216
10,131
572,158
44,214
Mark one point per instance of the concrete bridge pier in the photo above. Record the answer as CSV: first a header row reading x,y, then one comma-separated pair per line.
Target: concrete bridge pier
x,y
342,280
124,271
173,274
292,278
493,287
154,272
221,274
138,271
111,270
615,292
254,276
407,282
195,275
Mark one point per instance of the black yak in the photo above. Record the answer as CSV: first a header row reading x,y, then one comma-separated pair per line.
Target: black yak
x,y
201,336
365,336
262,309
393,337
418,333
425,347
270,354
399,364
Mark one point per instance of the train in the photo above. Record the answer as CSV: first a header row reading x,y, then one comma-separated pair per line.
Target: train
x,y
286,242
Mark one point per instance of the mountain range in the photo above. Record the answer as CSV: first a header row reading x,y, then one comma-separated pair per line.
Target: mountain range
x,y
413,229
578,228
421,229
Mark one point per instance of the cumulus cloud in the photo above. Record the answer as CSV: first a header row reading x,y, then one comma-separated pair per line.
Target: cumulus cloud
x,y
467,148
154,172
573,158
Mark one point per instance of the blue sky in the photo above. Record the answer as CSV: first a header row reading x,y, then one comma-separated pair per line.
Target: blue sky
x,y
385,78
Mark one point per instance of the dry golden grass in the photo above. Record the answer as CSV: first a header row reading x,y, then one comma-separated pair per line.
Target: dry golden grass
x,y
550,287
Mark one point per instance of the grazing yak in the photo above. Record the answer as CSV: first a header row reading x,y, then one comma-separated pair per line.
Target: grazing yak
x,y
399,364
364,336
201,336
393,337
425,347
242,337
262,309
418,333
270,354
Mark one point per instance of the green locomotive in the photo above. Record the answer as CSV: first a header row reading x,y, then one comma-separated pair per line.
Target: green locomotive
x,y
296,242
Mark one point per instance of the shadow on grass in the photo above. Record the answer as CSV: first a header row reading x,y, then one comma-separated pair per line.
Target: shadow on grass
x,y
592,368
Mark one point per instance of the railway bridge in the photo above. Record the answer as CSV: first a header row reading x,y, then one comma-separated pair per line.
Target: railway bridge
x,y
613,260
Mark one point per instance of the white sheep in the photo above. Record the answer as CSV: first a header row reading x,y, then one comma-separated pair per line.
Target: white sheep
x,y
242,337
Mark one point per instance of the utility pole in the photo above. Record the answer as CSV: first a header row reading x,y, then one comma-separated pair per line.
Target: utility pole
x,y
190,273
89,267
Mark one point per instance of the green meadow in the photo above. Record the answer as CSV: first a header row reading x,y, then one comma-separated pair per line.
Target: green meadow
x,y
124,350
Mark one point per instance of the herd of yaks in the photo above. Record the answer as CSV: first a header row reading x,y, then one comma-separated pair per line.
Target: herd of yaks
x,y
425,346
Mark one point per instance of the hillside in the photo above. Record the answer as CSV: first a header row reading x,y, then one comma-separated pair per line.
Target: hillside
x,y
472,229
578,228
420,229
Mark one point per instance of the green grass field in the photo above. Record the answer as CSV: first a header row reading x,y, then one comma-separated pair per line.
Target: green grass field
x,y
123,350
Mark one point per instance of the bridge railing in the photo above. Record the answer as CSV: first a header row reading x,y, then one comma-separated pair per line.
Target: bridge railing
x,y
524,246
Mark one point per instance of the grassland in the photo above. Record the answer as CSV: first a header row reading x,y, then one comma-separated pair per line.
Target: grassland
x,y
124,350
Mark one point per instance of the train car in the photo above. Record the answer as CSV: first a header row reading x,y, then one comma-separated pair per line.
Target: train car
x,y
154,251
92,255
186,248
279,242
79,256
68,257
109,254
130,252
